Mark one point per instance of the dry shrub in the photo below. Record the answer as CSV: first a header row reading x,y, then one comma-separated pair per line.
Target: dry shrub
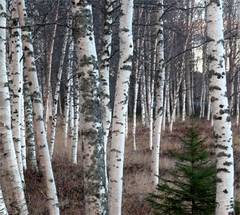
x,y
68,179
136,171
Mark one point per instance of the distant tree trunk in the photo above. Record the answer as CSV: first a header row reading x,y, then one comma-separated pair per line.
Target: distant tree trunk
x,y
120,108
209,108
39,126
16,85
184,100
56,95
91,131
220,109
167,97
12,186
75,135
143,97
48,90
136,88
136,91
71,111
178,85
152,99
67,99
160,79
176,100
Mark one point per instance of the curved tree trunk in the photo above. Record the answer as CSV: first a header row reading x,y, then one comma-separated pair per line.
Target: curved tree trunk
x,y
220,109
39,126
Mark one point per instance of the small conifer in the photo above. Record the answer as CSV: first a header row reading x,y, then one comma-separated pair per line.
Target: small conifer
x,y
191,187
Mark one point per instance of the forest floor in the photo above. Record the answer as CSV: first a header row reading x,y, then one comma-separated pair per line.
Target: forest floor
x,y
136,171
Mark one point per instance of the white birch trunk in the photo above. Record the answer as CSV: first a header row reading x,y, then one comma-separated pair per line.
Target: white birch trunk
x,y
12,186
71,111
175,101
143,97
104,73
30,136
48,93
238,99
22,111
220,109
75,129
95,191
120,108
184,100
67,99
56,96
39,126
136,88
151,107
167,96
164,109
160,79
3,208
209,108
16,85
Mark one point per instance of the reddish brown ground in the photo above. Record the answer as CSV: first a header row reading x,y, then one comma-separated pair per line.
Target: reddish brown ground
x,y
137,172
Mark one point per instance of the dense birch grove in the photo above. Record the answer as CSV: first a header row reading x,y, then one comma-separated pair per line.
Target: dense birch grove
x,y
94,93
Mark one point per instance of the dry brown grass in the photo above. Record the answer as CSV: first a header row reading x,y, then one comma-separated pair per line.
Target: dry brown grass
x,y
136,171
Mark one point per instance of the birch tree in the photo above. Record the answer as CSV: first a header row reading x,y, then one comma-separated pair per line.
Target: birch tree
x,y
56,96
48,93
67,102
104,72
30,136
10,177
120,107
220,108
159,96
3,208
75,136
39,126
16,84
91,139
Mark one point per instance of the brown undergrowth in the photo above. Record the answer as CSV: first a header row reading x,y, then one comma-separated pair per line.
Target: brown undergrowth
x,y
136,171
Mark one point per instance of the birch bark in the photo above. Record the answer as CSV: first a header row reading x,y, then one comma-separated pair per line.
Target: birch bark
x,y
160,79
120,107
220,109
91,131
39,126
56,96
12,186
16,84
